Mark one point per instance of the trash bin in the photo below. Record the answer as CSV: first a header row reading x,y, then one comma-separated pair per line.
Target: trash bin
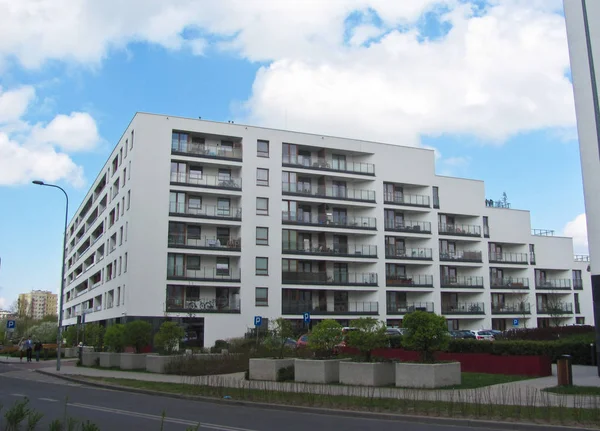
x,y
564,370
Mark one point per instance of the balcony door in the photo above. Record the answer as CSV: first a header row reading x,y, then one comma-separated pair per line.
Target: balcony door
x,y
338,162
290,211
340,244
177,202
498,301
450,301
176,233
396,301
449,274
223,207
339,189
496,276
340,216
447,248
340,272
540,276
178,171
340,301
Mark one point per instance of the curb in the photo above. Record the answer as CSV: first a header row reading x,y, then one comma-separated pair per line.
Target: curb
x,y
463,423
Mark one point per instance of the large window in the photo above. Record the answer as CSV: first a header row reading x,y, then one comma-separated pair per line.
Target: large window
x,y
223,207
262,266
262,206
262,236
262,148
262,177
177,202
222,266
178,143
262,297
175,265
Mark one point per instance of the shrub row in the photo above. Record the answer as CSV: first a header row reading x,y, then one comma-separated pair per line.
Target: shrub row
x,y
548,334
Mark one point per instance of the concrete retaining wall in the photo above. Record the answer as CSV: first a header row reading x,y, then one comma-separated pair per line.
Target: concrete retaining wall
x,y
317,371
133,361
266,369
109,359
367,373
89,359
411,375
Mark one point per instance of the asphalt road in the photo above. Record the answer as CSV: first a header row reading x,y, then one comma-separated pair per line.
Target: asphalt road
x,y
115,410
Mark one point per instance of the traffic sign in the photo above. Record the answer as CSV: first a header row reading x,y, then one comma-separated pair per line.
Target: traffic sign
x,y
11,324
306,317
515,322
257,320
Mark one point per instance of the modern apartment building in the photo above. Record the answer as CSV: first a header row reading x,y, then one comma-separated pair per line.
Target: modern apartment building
x,y
38,304
215,223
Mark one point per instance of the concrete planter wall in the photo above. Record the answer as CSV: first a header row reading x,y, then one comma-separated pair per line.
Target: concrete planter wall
x,y
266,369
133,361
411,375
317,371
157,363
89,359
109,359
71,352
367,373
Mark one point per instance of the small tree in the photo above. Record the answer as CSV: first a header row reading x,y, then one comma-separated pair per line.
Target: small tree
x,y
168,336
94,335
324,337
281,330
555,308
368,336
138,334
70,334
45,332
114,338
426,333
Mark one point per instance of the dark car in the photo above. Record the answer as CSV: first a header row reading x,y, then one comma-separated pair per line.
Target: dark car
x,y
462,335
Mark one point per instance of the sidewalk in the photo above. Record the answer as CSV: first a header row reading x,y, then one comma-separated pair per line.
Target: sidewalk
x,y
526,392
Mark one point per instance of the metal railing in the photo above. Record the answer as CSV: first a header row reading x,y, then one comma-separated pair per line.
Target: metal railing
x,y
222,243
333,278
406,199
555,309
462,281
461,255
204,180
330,250
208,211
204,305
519,308
557,283
329,221
414,280
542,232
459,229
464,308
509,258
206,150
408,307
206,273
329,164
394,252
300,307
581,258
408,226
328,192
509,283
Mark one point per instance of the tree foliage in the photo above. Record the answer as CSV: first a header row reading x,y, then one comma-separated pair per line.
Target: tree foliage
x,y
368,336
324,337
94,335
114,338
281,330
426,333
45,332
168,336
138,334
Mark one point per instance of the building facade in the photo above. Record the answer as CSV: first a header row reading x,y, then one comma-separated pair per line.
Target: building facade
x,y
583,31
38,304
215,223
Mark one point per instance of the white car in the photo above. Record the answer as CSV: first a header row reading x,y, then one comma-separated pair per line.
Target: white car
x,y
483,335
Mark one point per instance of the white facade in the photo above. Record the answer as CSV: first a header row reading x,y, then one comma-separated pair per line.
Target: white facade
x,y
355,229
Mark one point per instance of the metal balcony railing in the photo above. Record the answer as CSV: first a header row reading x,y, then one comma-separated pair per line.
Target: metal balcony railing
x,y
558,283
206,211
509,283
520,258
414,280
343,308
351,250
462,281
459,229
203,305
464,308
323,220
329,164
330,278
206,150
555,309
519,308
180,272
461,256
406,199
203,180
208,242
342,193
394,252
408,307
408,226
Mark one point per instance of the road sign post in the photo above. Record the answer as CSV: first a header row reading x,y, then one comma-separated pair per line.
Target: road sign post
x,y
257,325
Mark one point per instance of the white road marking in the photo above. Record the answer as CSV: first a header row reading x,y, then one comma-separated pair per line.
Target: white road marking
x,y
158,418
48,399
18,395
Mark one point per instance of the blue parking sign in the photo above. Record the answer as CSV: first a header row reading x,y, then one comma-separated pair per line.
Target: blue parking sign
x,y
306,317
257,320
515,322
11,324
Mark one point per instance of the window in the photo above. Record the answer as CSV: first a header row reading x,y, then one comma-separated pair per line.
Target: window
x,y
121,235
194,205
262,148
486,227
223,207
262,266
123,205
262,297
179,142
124,175
128,199
224,175
193,262
578,320
117,213
577,281
131,144
262,236
129,171
262,177
222,266
120,264
125,263
262,206
126,229
223,235
436,197
177,202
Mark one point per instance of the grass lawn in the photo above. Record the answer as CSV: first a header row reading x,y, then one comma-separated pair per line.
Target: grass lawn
x,y
574,390
480,380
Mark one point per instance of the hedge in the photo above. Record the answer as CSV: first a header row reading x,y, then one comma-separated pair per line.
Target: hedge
x,y
550,333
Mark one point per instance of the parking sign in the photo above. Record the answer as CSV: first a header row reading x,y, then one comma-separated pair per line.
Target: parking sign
x,y
257,321
515,322
11,325
306,317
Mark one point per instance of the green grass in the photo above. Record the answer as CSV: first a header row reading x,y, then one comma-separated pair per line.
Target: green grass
x,y
480,380
575,390
522,410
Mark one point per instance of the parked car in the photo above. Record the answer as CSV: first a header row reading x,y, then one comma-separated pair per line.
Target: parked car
x,y
483,335
390,332
302,341
462,334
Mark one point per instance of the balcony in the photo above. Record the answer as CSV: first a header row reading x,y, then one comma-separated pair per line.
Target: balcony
x,y
337,308
184,148
208,181
520,258
391,252
204,274
205,211
521,308
330,278
509,283
459,229
581,258
555,309
337,193
180,240
461,256
577,284
464,308
405,308
322,220
407,200
203,305
408,226
366,251
414,280
553,284
323,164
462,281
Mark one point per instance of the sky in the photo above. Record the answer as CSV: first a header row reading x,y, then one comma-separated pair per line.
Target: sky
x,y
486,83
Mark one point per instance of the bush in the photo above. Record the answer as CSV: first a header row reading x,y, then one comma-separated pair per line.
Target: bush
x,y
426,333
281,330
286,374
324,337
219,346
395,341
138,334
549,334
94,335
167,338
114,338
370,335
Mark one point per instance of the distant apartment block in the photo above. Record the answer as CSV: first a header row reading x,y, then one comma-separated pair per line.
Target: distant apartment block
x,y
211,224
38,304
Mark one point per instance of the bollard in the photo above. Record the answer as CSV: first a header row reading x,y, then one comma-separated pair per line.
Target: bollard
x,y
564,371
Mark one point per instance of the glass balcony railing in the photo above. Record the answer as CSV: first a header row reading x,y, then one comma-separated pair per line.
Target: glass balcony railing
x,y
408,226
352,250
414,280
464,308
520,308
558,284
406,199
206,150
208,242
520,258
180,272
343,308
329,164
330,278
462,281
459,229
408,307
203,305
205,211
555,309
203,180
323,220
509,283
393,252
461,256
342,193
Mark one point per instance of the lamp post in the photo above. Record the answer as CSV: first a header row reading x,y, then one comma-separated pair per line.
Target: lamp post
x,y
62,273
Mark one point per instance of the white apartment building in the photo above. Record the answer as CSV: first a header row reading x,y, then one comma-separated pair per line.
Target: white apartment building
x,y
215,223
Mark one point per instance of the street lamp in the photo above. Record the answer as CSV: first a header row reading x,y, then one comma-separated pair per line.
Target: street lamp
x,y
62,274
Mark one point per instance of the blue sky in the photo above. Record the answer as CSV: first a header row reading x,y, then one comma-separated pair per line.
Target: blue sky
x,y
484,83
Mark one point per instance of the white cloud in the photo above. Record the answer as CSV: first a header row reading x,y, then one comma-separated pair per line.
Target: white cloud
x,y
577,229
75,132
14,103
